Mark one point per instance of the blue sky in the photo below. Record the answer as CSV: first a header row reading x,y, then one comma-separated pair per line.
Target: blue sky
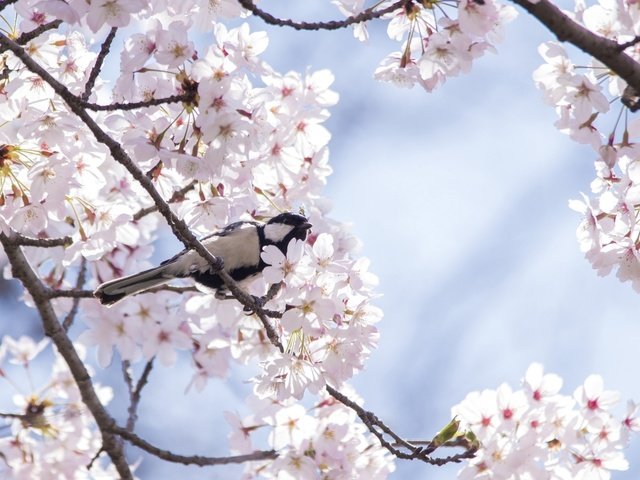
x,y
460,200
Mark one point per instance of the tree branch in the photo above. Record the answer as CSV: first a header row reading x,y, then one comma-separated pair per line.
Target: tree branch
x,y
379,429
189,459
5,3
36,32
40,242
364,16
24,273
177,196
135,393
183,97
567,30
95,71
634,41
68,320
51,293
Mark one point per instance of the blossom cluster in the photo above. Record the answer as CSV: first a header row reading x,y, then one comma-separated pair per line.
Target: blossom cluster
x,y
324,441
49,433
439,39
247,143
537,432
583,94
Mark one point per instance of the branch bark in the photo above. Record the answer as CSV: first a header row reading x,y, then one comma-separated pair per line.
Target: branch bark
x,y
567,30
190,459
24,273
364,16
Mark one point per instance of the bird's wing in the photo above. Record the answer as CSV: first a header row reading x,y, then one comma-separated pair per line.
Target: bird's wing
x,y
238,245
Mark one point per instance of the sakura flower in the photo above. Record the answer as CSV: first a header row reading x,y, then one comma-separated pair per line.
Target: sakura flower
x,y
631,422
291,427
108,329
138,48
23,350
477,18
585,97
289,268
172,45
240,436
287,376
30,219
162,338
479,410
442,57
593,397
115,13
352,7
542,387
309,313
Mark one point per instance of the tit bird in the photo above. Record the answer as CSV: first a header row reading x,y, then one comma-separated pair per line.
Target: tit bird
x,y
239,246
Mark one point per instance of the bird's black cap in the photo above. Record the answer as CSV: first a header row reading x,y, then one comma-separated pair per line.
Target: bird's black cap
x,y
292,219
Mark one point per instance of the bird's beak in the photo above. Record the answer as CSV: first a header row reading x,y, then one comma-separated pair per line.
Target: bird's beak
x,y
305,226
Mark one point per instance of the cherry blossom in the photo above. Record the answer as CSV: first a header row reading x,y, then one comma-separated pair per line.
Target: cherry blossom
x,y
537,432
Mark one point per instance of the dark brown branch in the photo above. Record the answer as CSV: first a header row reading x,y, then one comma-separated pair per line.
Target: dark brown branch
x,y
189,459
135,394
23,272
51,293
183,97
364,16
41,242
605,50
95,71
68,320
5,3
634,41
379,429
93,460
177,196
36,32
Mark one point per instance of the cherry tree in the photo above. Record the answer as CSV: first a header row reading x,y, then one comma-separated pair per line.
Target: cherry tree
x,y
195,134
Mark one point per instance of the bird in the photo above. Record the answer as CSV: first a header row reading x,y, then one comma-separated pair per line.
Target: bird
x,y
239,245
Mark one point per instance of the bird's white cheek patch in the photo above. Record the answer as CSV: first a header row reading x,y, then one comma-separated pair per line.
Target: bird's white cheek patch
x,y
276,231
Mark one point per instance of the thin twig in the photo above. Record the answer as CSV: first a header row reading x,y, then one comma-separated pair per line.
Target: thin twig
x,y
41,242
182,97
68,320
135,394
95,71
364,16
51,293
189,459
36,32
177,196
634,41
379,429
95,457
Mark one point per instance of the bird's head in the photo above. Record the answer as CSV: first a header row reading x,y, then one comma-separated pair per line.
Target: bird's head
x,y
286,226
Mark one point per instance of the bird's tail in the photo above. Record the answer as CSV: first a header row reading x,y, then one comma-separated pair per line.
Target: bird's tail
x,y
115,290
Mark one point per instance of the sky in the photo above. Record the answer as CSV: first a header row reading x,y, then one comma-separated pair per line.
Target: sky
x,y
460,199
